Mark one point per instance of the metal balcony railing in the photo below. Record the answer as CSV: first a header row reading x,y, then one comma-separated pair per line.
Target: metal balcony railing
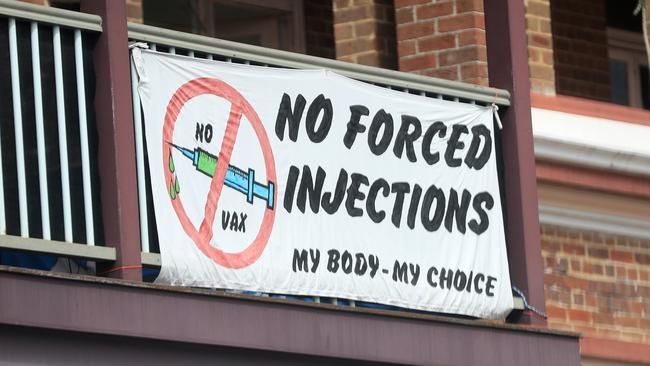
x,y
48,180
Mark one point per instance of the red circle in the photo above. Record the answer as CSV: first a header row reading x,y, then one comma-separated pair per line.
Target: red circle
x,y
240,106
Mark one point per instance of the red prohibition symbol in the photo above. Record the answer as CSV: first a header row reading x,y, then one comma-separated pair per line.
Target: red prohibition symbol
x,y
239,107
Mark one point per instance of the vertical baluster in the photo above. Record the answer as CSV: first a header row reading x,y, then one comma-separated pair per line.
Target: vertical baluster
x,y
18,129
83,132
210,57
190,53
40,132
63,138
139,161
153,46
172,50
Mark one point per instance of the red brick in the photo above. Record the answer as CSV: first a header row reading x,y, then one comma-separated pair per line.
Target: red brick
x,y
435,43
579,316
573,249
621,256
448,73
642,258
556,312
458,56
364,28
601,253
414,30
434,10
345,15
402,3
406,48
471,37
418,63
474,70
404,15
460,22
463,6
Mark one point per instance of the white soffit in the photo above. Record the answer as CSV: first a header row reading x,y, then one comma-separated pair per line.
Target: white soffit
x,y
593,142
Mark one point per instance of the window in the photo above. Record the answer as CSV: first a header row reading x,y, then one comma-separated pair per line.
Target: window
x,y
628,68
275,24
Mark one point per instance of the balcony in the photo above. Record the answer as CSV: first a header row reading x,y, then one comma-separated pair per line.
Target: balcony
x,y
70,182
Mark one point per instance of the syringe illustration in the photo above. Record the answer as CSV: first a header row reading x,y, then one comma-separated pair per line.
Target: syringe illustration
x,y
236,178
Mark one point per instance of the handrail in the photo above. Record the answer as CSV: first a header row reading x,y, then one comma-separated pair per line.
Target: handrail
x,y
47,14
269,56
58,248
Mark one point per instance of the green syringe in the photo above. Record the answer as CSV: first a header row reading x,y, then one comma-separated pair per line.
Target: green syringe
x,y
236,178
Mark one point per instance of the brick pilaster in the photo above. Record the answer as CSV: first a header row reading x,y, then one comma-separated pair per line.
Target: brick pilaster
x,y
442,38
364,31
540,46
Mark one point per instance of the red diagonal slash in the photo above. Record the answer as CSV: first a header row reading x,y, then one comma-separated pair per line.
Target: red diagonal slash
x,y
239,107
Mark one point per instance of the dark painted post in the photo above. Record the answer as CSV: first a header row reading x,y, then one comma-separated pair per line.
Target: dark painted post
x,y
116,153
508,69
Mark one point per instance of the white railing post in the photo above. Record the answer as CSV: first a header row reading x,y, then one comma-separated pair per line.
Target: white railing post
x,y
18,129
40,133
83,132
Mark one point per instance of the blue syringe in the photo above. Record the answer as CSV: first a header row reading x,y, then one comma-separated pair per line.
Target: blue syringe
x,y
236,178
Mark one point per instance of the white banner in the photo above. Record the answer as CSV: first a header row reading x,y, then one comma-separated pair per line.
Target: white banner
x,y
306,182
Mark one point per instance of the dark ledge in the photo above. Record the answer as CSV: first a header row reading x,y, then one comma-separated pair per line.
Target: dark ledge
x,y
120,309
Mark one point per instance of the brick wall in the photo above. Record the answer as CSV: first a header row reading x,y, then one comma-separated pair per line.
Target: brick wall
x,y
597,284
319,28
442,38
580,48
364,31
540,46
134,11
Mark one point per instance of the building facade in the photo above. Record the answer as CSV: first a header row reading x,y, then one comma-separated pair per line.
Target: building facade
x,y
576,171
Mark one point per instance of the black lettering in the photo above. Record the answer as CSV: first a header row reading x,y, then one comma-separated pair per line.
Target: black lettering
x,y
333,260
413,207
319,104
300,261
433,193
489,286
208,133
225,219
315,259
361,265
290,189
242,222
454,144
285,114
400,189
354,194
400,272
479,278
460,279
459,212
331,204
439,128
415,273
198,135
354,127
433,271
469,281
446,278
234,221
371,208
381,119
471,159
406,139
308,188
373,262
480,227
346,262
